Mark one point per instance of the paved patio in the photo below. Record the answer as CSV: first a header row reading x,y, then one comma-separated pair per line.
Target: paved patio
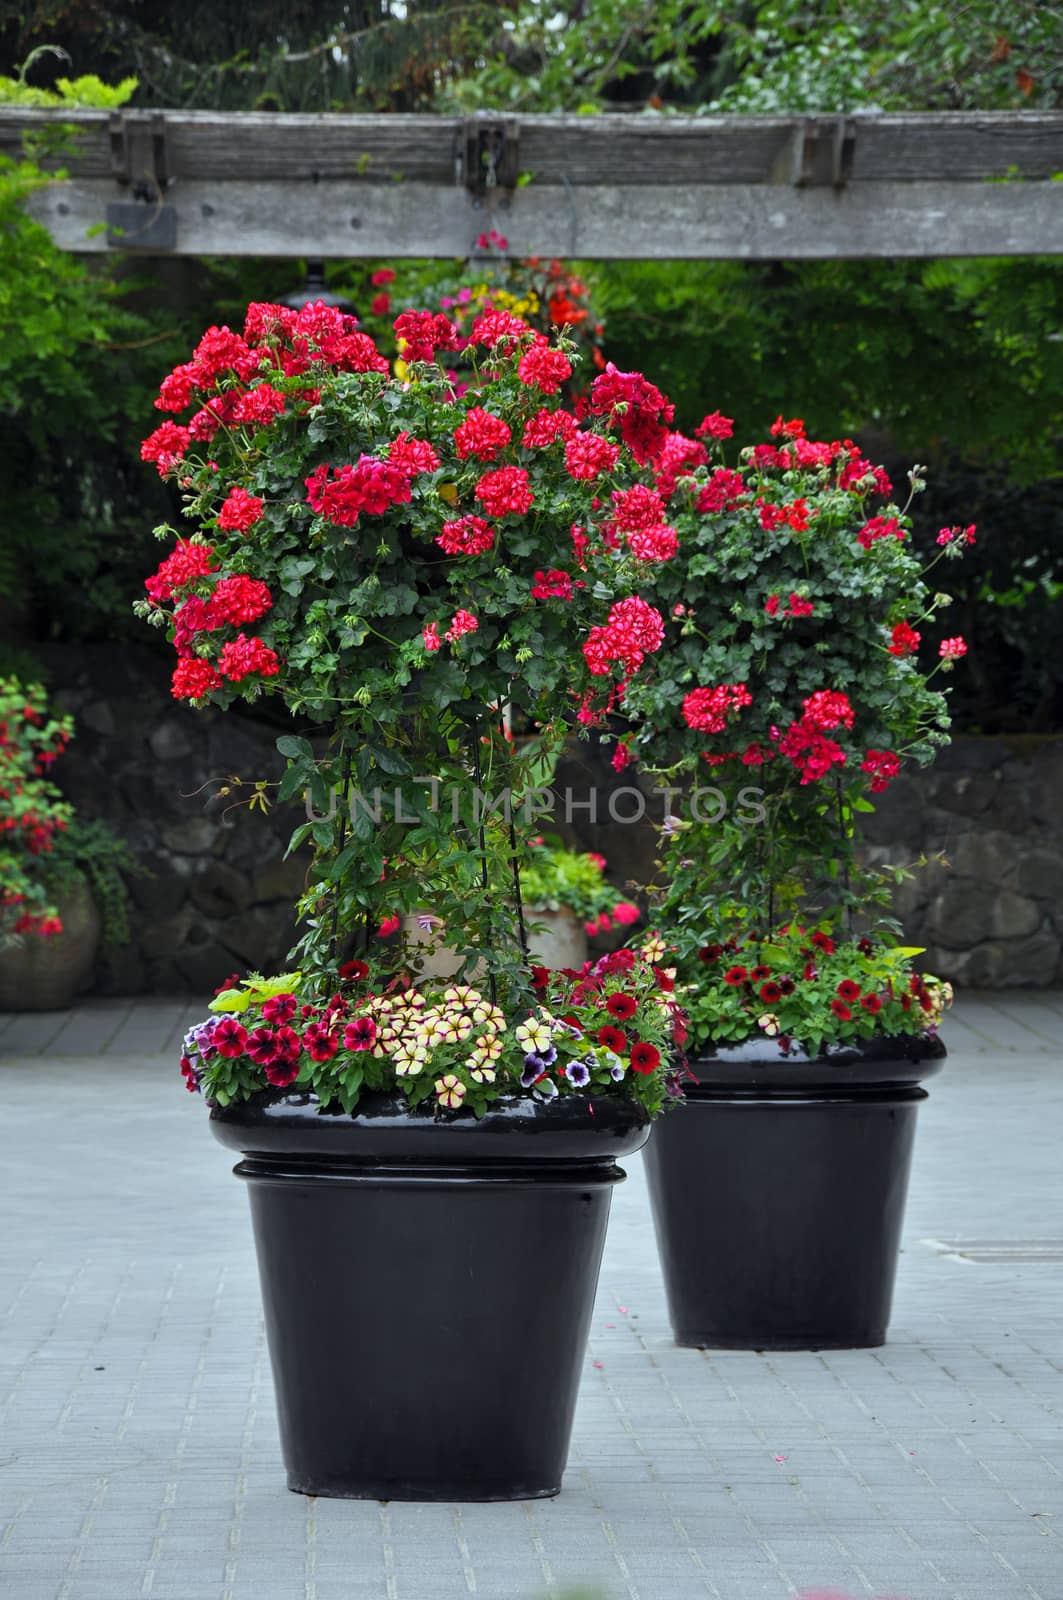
x,y
138,1452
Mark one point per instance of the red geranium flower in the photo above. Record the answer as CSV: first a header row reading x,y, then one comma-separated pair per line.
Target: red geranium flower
x,y
621,1006
645,1058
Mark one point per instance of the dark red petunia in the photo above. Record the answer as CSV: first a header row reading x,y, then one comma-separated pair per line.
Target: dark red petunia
x,y
849,990
321,1045
229,1037
282,1072
614,1039
787,985
735,976
645,1058
360,1034
665,981
621,1006
872,1003
770,991
841,1011
823,942
354,971
280,1008
540,977
710,952
759,973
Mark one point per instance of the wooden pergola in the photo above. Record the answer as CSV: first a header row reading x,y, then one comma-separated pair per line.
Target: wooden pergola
x,y
607,187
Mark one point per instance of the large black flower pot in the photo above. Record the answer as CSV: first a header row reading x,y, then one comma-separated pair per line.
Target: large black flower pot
x,y
428,1282
778,1193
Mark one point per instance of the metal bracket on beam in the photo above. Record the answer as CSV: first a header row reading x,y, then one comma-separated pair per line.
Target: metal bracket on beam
x,y
140,161
819,154
488,153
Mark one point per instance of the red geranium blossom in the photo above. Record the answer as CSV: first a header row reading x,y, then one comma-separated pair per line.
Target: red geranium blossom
x,y
544,368
243,656
193,678
904,640
481,435
468,536
505,492
240,511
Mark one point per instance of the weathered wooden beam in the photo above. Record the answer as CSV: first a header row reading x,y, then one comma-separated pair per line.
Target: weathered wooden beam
x,y
629,222
616,186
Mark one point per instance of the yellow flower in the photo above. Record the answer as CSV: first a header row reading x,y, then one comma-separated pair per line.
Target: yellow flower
x,y
488,1047
401,369
654,948
409,1059
450,1091
461,994
479,1071
533,1035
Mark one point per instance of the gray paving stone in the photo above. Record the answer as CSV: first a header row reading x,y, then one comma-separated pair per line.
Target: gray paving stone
x,y
138,1453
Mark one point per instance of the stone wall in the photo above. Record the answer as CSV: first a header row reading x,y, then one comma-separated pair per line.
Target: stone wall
x,y
993,917
220,896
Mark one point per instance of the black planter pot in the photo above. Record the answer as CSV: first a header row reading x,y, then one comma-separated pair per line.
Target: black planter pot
x,y
428,1285
778,1193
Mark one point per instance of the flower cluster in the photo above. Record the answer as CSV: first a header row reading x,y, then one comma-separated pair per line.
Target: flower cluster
x,y
328,478
555,878
804,988
32,812
607,1029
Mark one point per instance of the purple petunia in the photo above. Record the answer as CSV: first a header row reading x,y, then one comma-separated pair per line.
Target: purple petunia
x,y
577,1074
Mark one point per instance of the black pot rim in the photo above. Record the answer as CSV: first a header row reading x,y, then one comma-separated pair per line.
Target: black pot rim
x,y
759,1067
385,1129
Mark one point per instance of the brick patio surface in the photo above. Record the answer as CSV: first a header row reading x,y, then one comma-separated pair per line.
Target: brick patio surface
x,y
138,1446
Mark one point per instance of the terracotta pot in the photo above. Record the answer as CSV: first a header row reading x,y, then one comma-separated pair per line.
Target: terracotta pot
x,y
45,974
561,943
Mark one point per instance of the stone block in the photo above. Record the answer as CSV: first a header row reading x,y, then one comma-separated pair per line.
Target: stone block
x,y
218,889
969,912
281,880
1029,963
260,938
990,856
192,837
173,740
968,793
1040,874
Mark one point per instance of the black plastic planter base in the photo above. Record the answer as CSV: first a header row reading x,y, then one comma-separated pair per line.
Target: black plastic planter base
x,y
778,1194
428,1285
